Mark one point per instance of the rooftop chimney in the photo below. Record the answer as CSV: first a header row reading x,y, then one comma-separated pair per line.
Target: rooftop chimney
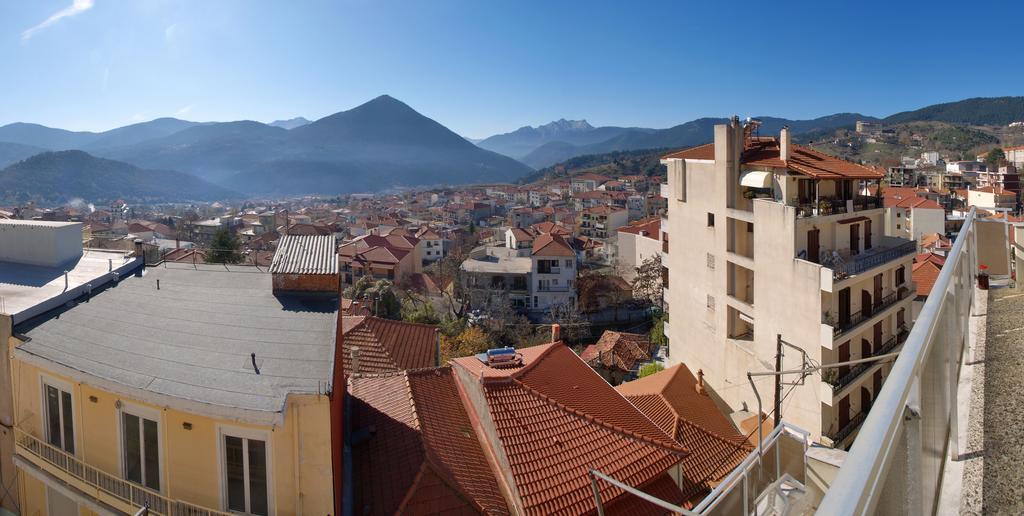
x,y
700,383
355,360
784,144
556,332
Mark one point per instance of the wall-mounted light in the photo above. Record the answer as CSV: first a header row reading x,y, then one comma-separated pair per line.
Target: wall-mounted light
x,y
186,425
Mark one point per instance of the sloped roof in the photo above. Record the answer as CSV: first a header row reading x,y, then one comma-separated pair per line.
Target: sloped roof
x,y
305,254
671,399
387,346
925,273
623,351
556,418
936,240
551,245
651,226
764,152
422,455
550,227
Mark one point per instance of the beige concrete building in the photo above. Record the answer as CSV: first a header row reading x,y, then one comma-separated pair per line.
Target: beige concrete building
x,y
767,239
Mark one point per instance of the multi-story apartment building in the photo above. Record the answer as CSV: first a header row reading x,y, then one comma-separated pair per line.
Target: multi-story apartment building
x,y
586,182
1003,177
601,223
534,271
769,243
1015,155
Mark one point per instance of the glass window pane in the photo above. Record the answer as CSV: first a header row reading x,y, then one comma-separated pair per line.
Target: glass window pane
x,y
69,424
257,477
132,449
53,435
149,434
235,470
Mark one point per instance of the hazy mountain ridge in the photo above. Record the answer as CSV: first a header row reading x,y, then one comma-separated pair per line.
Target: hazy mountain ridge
x,y
291,123
57,177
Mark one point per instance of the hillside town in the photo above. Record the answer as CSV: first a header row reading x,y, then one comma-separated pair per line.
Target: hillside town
x,y
581,344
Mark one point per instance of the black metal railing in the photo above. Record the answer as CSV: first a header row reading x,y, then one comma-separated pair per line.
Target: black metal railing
x,y
870,260
850,427
855,319
856,371
866,202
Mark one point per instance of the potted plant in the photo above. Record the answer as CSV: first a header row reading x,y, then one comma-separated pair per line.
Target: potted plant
x,y
983,277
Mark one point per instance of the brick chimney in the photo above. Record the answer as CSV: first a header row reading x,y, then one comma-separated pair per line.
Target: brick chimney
x,y
700,383
784,144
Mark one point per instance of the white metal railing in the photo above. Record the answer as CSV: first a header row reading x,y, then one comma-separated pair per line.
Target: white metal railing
x,y
897,460
129,493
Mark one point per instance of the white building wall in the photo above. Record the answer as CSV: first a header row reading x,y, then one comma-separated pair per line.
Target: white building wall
x,y
46,244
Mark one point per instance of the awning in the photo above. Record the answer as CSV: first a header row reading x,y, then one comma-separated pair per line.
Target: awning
x,y
756,179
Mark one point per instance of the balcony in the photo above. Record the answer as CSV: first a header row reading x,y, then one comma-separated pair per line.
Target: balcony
x,y
858,370
111,490
842,327
845,265
829,206
839,438
557,288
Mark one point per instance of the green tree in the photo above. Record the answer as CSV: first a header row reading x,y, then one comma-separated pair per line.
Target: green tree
x,y
658,337
379,296
995,157
224,248
649,369
470,341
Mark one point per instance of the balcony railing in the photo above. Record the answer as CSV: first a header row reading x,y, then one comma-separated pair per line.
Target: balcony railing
x,y
558,288
826,207
112,490
855,319
897,461
843,268
844,432
856,371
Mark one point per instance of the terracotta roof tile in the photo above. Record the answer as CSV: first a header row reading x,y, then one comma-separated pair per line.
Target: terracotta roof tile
x,y
671,400
422,455
623,351
650,226
556,418
925,274
552,245
388,346
764,152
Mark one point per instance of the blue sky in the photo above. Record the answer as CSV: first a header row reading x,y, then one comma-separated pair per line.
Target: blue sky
x,y
487,66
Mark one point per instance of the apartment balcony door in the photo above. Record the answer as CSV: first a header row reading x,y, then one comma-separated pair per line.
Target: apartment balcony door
x,y
877,381
878,289
865,399
867,234
900,318
844,412
813,244
844,356
877,334
865,348
854,238
844,308
865,303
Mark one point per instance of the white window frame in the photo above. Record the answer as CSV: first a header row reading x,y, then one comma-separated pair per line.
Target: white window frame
x,y
152,414
244,433
61,385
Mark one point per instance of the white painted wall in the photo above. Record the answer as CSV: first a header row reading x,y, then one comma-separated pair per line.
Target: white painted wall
x,y
46,244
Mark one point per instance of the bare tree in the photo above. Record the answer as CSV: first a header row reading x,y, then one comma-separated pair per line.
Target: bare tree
x,y
647,284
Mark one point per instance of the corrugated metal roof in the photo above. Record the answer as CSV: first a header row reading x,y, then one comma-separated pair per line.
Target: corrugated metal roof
x,y
305,254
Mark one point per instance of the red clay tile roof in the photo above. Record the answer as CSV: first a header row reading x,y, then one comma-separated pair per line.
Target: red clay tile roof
x,y
419,453
925,273
551,245
651,226
764,152
387,346
911,202
556,418
671,400
550,227
623,351
934,240
522,235
937,259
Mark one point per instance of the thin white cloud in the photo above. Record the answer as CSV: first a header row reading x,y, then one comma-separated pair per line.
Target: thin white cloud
x,y
76,7
183,111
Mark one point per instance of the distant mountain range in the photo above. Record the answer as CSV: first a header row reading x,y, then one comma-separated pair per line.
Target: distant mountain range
x,y
553,143
291,123
381,144
378,145
54,178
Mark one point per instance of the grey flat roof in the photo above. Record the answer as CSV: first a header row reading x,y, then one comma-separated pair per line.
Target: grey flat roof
x,y
23,287
191,340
